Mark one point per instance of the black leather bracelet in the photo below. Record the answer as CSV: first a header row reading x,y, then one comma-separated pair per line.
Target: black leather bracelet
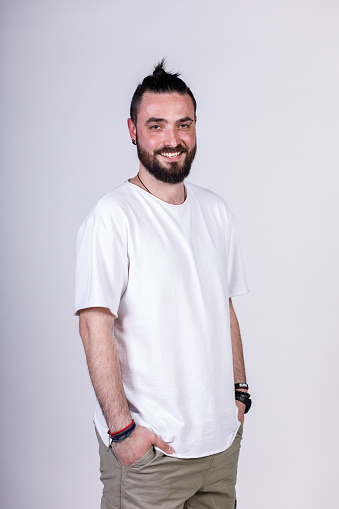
x,y
241,385
242,393
245,398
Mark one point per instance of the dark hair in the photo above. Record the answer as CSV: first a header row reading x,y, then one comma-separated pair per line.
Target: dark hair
x,y
160,82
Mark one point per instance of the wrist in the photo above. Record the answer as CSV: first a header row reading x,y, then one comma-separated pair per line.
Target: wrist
x,y
242,386
245,398
119,423
118,436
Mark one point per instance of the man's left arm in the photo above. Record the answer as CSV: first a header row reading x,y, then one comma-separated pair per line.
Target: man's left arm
x,y
238,358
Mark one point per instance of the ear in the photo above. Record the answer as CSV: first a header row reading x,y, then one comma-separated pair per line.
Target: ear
x,y
132,129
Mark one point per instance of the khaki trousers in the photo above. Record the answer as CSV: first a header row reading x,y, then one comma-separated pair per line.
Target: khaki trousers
x,y
157,481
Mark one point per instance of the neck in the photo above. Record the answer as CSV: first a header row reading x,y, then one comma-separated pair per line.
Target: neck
x,y
174,194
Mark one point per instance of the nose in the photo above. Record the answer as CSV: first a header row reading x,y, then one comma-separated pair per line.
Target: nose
x,y
171,137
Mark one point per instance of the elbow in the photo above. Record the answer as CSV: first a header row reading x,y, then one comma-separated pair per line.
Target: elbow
x,y
83,328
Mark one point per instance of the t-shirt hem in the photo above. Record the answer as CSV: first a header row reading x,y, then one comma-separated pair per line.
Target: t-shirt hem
x,y
235,292
214,451
78,308
228,442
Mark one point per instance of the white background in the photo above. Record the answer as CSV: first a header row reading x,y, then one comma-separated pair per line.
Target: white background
x,y
266,79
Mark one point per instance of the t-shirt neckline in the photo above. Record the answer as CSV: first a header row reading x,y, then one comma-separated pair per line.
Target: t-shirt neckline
x,y
152,196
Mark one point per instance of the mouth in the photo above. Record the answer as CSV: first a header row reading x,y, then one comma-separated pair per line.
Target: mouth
x,y
173,156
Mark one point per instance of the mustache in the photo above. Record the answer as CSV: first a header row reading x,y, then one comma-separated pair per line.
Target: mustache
x,y
171,150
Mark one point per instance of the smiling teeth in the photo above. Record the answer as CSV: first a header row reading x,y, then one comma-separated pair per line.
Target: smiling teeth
x,y
171,154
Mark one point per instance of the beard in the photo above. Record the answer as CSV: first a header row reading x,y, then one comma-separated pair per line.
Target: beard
x,y
177,170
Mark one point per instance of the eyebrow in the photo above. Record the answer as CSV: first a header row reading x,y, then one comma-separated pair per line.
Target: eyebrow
x,y
157,119
185,119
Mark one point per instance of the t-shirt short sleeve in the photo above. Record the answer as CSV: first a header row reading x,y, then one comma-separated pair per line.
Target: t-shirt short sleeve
x,y
237,284
101,268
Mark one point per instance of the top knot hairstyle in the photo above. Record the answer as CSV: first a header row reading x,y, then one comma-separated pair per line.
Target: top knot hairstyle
x,y
160,82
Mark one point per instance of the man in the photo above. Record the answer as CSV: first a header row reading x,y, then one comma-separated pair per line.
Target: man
x,y
158,261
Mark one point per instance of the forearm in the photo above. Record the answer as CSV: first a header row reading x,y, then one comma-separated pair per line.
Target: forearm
x,y
104,367
237,349
238,359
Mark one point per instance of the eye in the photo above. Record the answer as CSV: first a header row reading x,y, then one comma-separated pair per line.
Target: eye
x,y
154,127
185,125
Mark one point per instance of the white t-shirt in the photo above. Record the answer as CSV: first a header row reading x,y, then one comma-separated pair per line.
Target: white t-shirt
x,y
167,272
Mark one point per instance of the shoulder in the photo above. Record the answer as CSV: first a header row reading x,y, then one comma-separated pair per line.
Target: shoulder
x,y
206,194
209,199
109,208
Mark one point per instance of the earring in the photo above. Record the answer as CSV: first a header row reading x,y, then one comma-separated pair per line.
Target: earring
x,y
134,142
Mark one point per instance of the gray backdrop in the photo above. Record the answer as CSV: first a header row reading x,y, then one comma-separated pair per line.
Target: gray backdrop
x,y
265,75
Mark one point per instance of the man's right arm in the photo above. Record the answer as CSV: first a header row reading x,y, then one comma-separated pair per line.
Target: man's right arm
x,y
96,326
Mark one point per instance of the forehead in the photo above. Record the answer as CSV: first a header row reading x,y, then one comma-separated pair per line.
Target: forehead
x,y
171,106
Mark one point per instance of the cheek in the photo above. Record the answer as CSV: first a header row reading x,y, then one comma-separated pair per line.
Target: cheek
x,y
154,144
151,141
189,140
